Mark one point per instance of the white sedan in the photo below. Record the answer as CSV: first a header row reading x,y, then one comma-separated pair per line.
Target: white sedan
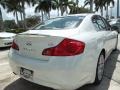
x,y
6,39
65,52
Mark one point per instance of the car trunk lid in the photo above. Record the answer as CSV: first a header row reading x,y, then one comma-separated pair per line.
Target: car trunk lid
x,y
32,44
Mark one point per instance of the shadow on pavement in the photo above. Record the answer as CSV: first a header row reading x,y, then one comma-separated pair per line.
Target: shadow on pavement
x,y
4,48
22,84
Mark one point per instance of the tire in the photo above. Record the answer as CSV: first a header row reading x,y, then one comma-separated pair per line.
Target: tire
x,y
100,69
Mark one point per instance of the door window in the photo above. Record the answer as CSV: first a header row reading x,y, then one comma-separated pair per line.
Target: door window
x,y
98,23
108,27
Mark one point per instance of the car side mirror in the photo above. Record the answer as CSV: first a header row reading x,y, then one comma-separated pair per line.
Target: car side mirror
x,y
115,28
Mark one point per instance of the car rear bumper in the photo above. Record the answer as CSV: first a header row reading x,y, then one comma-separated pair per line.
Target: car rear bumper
x,y
5,42
62,75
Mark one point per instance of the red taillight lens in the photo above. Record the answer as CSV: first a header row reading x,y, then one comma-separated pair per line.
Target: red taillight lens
x,y
15,46
67,47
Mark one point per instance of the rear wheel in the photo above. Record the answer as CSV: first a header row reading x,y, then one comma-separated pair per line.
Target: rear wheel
x,y
100,69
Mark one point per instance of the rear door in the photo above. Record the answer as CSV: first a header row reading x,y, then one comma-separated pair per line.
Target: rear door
x,y
104,32
113,34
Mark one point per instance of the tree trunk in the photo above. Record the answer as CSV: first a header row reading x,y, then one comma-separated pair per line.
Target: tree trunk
x,y
24,15
49,14
77,2
2,23
66,10
42,15
61,8
91,5
101,11
117,8
58,11
16,14
111,12
21,16
107,12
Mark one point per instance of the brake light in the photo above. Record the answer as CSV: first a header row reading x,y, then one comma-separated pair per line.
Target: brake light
x,y
15,46
68,47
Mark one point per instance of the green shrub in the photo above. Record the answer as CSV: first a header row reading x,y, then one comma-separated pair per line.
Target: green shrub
x,y
19,30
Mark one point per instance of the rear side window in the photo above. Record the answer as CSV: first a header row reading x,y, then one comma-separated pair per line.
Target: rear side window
x,y
108,27
98,23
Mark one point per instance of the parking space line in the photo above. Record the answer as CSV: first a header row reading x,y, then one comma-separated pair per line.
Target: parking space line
x,y
110,78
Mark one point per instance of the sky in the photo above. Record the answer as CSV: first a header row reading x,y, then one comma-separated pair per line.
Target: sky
x,y
30,11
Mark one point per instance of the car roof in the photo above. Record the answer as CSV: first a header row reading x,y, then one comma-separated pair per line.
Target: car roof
x,y
115,19
82,14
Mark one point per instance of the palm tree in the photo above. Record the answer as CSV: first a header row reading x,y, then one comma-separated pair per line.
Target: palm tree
x,y
74,9
77,2
67,4
15,8
108,2
89,2
39,8
64,4
99,4
56,5
61,7
3,3
23,14
48,7
43,7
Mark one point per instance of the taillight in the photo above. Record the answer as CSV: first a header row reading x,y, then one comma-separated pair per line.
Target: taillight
x,y
68,47
15,46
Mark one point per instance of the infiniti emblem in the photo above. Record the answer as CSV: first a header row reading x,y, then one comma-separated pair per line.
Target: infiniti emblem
x,y
29,44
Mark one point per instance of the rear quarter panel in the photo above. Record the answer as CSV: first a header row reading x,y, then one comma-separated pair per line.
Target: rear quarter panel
x,y
94,43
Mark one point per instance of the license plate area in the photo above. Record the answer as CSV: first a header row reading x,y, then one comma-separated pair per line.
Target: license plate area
x,y
26,73
8,43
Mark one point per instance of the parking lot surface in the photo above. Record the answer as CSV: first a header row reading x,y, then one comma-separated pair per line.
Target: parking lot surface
x,y
9,81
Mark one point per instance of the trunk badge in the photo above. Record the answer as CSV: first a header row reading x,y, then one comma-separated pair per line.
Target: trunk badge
x,y
29,44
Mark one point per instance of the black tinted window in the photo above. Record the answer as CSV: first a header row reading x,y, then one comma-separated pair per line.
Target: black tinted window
x,y
98,23
66,22
108,27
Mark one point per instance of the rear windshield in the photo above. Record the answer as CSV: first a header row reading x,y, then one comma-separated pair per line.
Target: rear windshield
x,y
66,22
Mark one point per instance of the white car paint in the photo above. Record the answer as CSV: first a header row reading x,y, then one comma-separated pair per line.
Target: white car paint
x,y
62,72
6,39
